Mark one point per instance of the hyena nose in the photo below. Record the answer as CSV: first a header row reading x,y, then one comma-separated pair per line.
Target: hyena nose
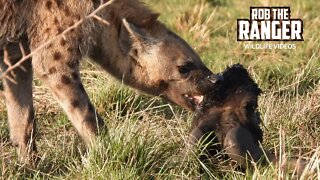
x,y
215,78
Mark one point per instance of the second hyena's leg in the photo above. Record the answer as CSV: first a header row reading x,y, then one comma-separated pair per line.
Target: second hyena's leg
x,y
18,95
59,69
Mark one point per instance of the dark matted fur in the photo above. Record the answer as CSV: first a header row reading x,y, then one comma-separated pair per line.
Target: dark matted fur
x,y
232,104
228,118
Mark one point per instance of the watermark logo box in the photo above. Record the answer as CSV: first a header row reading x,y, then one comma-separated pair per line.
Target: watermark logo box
x,y
270,24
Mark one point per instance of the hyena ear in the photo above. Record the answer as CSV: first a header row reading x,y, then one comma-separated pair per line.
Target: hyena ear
x,y
133,39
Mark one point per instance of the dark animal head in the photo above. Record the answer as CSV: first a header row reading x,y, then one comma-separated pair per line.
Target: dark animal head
x,y
238,90
230,112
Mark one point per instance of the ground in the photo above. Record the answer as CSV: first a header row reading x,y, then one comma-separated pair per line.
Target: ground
x,y
147,137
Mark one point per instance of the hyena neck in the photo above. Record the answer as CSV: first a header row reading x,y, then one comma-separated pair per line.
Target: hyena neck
x,y
123,67
109,53
126,70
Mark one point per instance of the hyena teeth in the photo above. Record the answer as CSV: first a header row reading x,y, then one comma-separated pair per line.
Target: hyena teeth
x,y
194,99
197,99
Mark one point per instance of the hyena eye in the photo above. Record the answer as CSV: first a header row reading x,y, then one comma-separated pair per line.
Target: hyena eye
x,y
185,69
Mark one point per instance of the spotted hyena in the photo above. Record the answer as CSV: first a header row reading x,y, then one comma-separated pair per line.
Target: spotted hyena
x,y
135,48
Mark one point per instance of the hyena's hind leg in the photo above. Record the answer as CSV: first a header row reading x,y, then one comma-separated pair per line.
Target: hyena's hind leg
x,y
58,68
18,95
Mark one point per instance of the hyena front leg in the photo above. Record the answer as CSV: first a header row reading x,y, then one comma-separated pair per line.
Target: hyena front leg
x,y
18,95
59,69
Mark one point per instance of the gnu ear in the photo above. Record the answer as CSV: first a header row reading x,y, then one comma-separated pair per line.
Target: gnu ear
x,y
132,39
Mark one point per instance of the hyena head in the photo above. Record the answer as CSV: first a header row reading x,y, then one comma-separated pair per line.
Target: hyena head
x,y
164,64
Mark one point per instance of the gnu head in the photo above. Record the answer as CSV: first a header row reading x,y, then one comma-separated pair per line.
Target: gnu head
x,y
229,116
230,109
237,86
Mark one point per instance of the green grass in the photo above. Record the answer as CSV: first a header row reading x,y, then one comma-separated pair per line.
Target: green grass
x,y
147,137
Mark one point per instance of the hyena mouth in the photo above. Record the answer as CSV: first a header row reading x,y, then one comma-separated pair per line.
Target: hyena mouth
x,y
193,100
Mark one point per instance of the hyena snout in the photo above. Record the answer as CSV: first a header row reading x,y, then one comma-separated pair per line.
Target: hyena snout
x,y
200,86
